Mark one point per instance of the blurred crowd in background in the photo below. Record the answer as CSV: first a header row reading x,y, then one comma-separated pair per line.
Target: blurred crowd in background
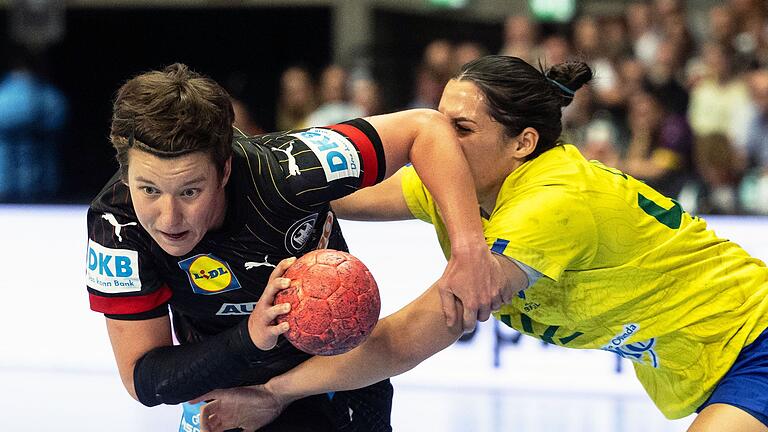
x,y
678,103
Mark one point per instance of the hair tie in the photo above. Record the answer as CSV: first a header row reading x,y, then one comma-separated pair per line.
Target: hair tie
x,y
568,92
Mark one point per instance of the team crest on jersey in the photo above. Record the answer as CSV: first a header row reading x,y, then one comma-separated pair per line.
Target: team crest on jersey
x,y
209,274
636,351
336,153
299,233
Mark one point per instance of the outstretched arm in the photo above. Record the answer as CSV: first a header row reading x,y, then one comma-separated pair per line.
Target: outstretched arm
x,y
398,343
426,138
382,202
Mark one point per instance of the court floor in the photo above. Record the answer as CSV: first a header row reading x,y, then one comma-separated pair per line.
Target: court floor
x,y
36,400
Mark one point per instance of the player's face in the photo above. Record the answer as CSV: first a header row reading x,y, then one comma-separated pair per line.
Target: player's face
x,y
481,137
177,200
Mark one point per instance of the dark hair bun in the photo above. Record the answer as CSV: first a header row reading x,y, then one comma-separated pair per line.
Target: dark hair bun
x,y
569,77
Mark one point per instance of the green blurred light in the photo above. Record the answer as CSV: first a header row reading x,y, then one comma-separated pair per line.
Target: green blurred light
x,y
552,10
448,3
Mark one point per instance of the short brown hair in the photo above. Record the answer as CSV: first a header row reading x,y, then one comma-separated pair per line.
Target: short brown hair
x,y
171,113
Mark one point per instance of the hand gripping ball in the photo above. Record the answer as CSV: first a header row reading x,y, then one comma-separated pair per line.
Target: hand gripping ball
x,y
334,302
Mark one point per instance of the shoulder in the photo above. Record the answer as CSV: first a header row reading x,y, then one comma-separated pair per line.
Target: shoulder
x,y
112,221
114,198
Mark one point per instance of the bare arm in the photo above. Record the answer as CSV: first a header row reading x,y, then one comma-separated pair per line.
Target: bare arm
x,y
426,138
154,371
398,343
132,339
383,202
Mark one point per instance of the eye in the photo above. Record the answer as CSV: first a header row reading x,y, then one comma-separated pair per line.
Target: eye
x,y
190,193
462,130
149,190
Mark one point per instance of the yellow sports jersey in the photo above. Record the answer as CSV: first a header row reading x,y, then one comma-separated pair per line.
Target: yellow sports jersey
x,y
626,270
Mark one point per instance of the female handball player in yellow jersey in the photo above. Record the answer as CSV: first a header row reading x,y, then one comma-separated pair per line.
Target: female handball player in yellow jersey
x,y
599,256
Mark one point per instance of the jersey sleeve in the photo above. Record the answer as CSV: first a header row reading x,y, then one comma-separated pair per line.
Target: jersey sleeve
x,y
317,165
546,228
121,277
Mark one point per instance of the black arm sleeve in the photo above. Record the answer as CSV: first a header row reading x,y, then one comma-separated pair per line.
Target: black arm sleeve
x,y
175,374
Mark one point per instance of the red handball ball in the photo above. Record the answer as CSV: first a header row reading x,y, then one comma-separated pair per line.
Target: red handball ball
x,y
334,302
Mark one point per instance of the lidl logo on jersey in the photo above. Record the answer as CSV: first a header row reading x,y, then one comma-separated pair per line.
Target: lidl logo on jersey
x,y
112,271
209,275
639,352
337,155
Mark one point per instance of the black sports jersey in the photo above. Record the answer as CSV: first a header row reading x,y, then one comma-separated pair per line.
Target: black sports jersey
x,y
277,207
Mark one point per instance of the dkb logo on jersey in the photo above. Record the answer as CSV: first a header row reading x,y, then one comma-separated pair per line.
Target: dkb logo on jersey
x,y
112,271
336,154
209,275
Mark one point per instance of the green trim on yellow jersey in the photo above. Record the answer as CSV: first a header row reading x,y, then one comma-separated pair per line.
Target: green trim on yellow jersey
x,y
627,271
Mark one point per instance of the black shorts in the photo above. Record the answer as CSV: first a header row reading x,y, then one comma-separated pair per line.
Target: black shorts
x,y
364,410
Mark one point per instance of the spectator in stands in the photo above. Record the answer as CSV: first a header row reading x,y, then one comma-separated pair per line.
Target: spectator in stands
x,y
335,106
365,94
660,145
520,35
296,100
428,87
719,168
754,189
643,34
719,95
33,115
466,52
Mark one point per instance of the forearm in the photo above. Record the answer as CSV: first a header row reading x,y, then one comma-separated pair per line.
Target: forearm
x,y
174,374
383,202
439,160
398,343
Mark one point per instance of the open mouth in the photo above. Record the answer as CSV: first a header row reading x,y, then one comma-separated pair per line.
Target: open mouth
x,y
174,236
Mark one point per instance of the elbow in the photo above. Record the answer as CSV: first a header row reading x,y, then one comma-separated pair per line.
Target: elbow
x,y
429,118
129,386
132,383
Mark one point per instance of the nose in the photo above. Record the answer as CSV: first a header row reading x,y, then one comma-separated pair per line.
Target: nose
x,y
170,213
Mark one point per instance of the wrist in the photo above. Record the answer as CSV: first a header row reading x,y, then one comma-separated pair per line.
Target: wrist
x,y
468,246
246,343
279,388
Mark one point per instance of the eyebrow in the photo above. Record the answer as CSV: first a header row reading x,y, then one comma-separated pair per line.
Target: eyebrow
x,y
193,181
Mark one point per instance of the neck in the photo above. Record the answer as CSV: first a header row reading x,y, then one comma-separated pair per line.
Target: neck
x,y
486,197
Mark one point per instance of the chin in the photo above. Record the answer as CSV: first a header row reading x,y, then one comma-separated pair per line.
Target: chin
x,y
177,249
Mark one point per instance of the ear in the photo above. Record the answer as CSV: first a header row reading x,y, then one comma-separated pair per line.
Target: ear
x,y
525,143
227,172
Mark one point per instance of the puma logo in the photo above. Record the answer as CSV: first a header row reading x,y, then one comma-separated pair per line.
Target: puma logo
x,y
109,217
293,168
251,264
